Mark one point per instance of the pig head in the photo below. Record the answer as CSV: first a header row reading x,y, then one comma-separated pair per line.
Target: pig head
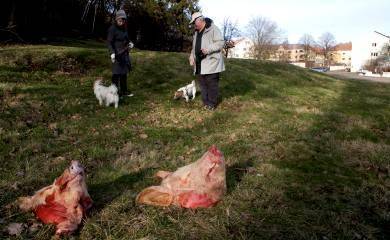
x,y
198,185
64,203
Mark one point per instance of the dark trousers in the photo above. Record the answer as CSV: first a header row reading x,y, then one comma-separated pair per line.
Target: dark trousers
x,y
209,88
120,81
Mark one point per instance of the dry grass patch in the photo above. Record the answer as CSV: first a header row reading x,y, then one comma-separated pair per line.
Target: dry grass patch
x,y
367,155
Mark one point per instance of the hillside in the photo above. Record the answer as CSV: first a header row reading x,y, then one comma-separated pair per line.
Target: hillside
x,y
308,156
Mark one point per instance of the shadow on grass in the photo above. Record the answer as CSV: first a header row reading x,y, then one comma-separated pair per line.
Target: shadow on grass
x,y
236,82
105,193
328,190
235,173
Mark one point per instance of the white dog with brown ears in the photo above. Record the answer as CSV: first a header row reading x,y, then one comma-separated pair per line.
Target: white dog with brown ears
x,y
107,95
187,92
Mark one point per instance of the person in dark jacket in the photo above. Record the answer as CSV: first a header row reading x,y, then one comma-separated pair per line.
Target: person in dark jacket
x,y
119,45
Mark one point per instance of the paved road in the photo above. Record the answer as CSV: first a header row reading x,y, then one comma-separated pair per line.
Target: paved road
x,y
353,76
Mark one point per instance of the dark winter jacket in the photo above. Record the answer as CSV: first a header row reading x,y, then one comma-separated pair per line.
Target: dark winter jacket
x,y
118,41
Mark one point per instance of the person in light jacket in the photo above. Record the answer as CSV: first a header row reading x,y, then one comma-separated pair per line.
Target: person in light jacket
x,y
118,45
207,59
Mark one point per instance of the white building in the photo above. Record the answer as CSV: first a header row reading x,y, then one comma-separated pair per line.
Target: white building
x,y
377,43
241,49
367,48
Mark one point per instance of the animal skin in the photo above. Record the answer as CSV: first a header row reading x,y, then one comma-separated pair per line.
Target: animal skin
x,y
201,184
64,203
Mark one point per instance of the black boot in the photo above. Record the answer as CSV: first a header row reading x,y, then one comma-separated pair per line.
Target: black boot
x,y
115,80
123,83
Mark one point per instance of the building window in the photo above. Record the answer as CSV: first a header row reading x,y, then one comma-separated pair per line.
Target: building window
x,y
343,59
374,44
349,58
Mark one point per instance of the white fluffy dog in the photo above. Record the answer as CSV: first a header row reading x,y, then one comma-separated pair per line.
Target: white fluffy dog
x,y
107,95
186,92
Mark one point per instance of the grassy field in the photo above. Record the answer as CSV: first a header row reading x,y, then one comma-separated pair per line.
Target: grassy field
x,y
308,155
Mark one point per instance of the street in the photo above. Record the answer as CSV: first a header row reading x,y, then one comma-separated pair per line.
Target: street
x,y
353,75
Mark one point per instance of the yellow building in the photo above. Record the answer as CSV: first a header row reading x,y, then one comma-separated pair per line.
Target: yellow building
x,y
342,54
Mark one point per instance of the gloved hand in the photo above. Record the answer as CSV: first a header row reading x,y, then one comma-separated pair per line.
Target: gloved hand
x,y
113,57
131,45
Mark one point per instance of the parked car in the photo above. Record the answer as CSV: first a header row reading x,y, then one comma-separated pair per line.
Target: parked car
x,y
362,72
320,69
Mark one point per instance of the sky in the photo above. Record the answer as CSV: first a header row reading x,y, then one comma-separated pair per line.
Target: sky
x,y
348,20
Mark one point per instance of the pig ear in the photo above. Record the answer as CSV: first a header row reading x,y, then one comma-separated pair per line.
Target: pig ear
x,y
156,196
162,174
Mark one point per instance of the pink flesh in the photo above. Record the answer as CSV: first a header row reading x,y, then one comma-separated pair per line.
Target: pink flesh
x,y
195,200
51,212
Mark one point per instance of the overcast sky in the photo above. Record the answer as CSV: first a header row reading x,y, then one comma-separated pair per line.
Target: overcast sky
x,y
347,20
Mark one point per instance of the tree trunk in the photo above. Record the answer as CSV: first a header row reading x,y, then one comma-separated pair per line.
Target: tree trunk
x,y
11,18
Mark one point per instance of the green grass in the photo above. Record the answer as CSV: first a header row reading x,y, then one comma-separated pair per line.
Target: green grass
x,y
308,155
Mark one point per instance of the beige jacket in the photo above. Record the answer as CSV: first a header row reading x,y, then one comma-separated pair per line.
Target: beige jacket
x,y
212,40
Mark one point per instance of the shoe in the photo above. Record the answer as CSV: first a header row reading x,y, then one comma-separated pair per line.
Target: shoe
x,y
127,94
209,108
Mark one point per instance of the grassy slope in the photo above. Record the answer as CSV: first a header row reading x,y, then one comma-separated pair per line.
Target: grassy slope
x,y
308,156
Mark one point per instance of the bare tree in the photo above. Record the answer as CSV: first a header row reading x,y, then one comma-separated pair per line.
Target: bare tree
x,y
93,6
265,35
282,54
385,51
230,31
327,43
307,42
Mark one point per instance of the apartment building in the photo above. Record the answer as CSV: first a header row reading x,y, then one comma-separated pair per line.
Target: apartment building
x,y
295,53
242,48
342,54
377,42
